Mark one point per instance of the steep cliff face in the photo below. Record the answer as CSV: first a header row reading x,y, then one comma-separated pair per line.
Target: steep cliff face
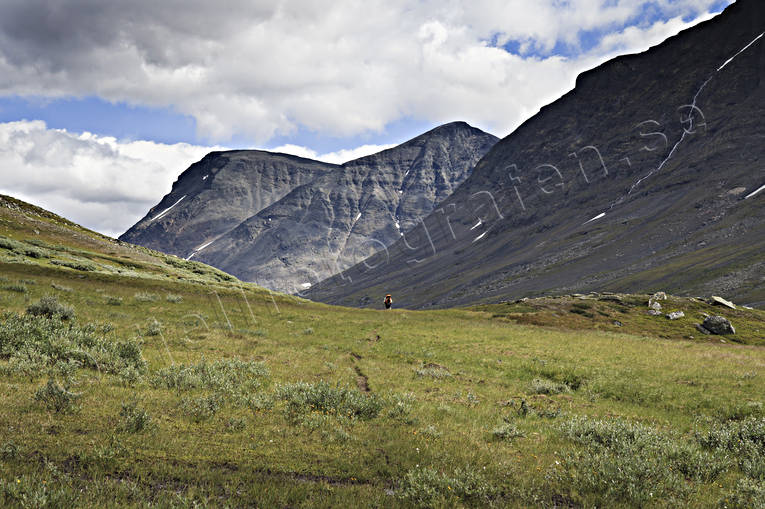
x,y
347,214
648,175
217,193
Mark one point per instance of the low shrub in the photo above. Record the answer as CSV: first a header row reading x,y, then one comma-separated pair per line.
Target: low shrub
x,y
632,463
400,407
10,244
260,402
322,397
235,424
83,266
433,371
9,451
428,487
146,297
14,287
747,494
202,408
32,343
133,419
743,440
129,376
50,307
153,329
231,376
507,431
32,252
58,398
543,386
112,300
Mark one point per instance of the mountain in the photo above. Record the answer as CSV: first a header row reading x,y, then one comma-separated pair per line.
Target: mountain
x,y
287,222
648,175
217,193
347,214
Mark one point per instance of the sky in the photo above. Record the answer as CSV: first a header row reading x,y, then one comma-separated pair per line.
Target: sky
x,y
103,103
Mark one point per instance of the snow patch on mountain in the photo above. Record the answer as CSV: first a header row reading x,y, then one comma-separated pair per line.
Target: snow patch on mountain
x,y
480,236
168,209
742,50
754,192
602,214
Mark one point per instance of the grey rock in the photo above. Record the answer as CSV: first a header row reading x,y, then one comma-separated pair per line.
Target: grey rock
x,y
719,301
653,305
659,296
654,312
675,315
718,325
702,329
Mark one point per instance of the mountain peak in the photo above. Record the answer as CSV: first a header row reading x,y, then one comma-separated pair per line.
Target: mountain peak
x,y
287,222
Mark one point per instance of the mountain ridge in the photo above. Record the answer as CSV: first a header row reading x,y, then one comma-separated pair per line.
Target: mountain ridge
x,y
344,215
580,197
241,211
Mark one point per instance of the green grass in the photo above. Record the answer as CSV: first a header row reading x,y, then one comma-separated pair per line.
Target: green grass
x,y
218,396
629,314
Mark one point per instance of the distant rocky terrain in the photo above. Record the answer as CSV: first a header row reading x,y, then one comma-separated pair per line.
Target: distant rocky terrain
x,y
217,193
649,175
287,222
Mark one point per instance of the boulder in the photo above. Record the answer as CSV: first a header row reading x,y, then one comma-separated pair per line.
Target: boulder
x,y
674,315
654,312
659,296
718,325
719,301
702,330
653,305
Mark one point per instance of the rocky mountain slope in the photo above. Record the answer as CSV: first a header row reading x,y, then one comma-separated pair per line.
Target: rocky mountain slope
x,y
287,222
649,175
217,193
345,215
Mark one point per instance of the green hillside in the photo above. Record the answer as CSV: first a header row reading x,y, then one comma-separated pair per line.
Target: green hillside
x,y
131,378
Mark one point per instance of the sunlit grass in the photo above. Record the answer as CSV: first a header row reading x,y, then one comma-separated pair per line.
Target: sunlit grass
x,y
238,404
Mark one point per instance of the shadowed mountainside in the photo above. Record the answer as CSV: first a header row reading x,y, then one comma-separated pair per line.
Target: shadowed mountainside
x,y
646,176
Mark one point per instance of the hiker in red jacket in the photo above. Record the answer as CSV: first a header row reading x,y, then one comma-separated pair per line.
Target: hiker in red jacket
x,y
388,301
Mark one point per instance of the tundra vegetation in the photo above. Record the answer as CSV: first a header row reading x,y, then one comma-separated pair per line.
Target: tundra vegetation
x,y
198,390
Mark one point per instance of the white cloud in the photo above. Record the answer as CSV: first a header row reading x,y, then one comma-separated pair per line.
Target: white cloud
x,y
99,182
103,183
337,157
635,39
342,68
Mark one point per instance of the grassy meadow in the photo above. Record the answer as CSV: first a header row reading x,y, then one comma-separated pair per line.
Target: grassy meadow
x,y
133,379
